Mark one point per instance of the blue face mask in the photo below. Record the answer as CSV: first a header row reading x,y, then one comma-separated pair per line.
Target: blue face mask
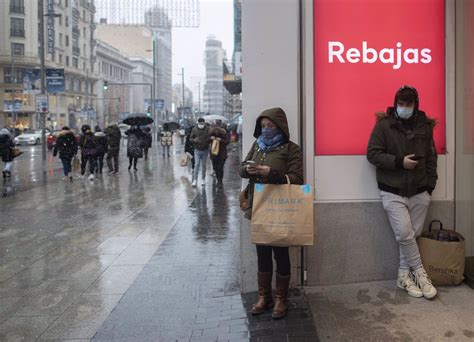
x,y
270,133
404,112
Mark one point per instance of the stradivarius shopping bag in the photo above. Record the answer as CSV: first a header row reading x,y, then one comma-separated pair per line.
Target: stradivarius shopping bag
x,y
282,215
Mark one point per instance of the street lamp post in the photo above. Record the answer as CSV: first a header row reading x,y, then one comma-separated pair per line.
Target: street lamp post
x,y
43,78
153,95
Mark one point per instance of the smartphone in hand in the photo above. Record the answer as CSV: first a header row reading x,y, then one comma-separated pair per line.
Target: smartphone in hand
x,y
417,157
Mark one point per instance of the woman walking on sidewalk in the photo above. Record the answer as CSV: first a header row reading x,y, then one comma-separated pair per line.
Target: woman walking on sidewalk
x,y
88,151
6,151
101,140
218,160
66,145
272,159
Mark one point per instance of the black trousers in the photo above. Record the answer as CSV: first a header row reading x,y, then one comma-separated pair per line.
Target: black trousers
x,y
113,156
218,166
282,258
92,163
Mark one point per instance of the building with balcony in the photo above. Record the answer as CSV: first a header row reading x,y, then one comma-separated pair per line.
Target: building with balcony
x,y
67,46
114,103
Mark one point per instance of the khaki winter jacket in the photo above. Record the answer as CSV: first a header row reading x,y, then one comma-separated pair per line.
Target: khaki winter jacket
x,y
390,142
285,160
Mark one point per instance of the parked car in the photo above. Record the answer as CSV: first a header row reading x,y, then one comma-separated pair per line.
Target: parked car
x,y
53,136
30,137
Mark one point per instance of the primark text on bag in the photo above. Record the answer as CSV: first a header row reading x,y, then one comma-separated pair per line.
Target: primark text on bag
x,y
282,215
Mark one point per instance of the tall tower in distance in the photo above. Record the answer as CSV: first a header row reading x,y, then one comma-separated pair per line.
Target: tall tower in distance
x,y
213,89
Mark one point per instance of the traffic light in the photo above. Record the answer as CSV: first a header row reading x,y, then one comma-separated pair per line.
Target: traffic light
x,y
106,85
148,111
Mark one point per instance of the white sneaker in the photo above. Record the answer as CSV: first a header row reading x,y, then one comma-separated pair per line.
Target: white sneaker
x,y
91,177
203,182
424,282
194,184
65,178
81,176
405,282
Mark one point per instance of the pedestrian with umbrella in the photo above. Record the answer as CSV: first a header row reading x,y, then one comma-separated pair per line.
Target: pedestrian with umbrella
x,y
136,138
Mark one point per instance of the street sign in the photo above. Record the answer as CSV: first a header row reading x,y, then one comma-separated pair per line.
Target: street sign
x,y
42,103
51,28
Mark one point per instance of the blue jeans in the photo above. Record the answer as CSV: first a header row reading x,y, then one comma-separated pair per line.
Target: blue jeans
x,y
67,167
200,158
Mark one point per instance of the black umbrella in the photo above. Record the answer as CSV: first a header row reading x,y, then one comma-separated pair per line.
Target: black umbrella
x,y
172,125
138,120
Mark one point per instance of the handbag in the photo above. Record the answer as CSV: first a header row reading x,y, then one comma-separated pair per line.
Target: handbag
x,y
443,254
215,148
282,215
16,152
244,199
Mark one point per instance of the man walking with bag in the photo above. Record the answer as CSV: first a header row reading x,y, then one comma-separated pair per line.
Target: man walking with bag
x,y
402,149
201,139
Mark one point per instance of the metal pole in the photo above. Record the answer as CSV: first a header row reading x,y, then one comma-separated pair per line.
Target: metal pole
x,y
182,85
154,88
13,81
43,80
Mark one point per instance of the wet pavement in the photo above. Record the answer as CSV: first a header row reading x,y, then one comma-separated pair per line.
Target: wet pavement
x,y
134,257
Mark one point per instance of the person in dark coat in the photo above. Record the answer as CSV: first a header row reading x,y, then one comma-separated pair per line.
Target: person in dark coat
x,y
66,145
101,141
402,149
6,151
147,141
275,159
218,161
134,146
88,151
113,140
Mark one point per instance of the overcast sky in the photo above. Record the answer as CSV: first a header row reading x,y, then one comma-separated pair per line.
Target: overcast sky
x,y
217,18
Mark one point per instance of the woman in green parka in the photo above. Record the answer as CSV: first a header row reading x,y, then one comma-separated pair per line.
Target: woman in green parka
x,y
273,158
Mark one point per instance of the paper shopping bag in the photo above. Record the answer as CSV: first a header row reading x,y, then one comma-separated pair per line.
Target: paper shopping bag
x,y
282,215
443,253
215,148
76,164
183,161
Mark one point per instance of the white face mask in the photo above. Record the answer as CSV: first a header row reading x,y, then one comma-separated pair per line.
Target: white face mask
x,y
404,112
200,126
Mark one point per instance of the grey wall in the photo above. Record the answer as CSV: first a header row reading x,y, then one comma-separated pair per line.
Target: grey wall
x,y
356,244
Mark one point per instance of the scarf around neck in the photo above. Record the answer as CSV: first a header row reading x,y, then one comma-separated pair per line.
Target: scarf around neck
x,y
270,144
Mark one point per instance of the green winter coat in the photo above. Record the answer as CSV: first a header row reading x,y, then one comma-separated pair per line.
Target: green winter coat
x,y
285,160
390,142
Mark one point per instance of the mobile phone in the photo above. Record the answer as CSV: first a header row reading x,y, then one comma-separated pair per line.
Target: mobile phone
x,y
250,162
417,157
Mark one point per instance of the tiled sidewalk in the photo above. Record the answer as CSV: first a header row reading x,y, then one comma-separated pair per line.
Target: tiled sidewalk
x,y
189,290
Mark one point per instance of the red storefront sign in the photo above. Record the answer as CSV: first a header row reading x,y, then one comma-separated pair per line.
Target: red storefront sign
x,y
364,51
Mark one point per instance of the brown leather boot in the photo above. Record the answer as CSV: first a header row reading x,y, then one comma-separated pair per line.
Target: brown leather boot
x,y
281,294
264,293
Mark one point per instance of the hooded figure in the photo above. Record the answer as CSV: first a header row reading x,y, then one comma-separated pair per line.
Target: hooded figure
x,y
101,142
113,141
218,161
274,157
6,151
402,149
66,146
88,151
